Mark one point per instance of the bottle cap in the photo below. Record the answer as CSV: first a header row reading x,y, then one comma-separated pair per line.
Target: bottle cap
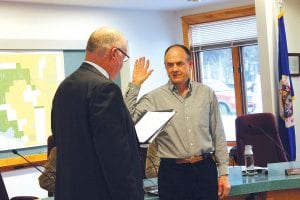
x,y
248,149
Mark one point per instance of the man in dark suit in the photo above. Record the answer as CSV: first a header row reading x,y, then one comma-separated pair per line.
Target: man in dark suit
x,y
97,152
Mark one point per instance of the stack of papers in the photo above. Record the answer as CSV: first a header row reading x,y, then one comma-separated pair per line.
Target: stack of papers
x,y
151,124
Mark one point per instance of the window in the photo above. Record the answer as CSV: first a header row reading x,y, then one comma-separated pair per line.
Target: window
x,y
224,46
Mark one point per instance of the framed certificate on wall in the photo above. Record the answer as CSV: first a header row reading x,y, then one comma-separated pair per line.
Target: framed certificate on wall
x,y
294,62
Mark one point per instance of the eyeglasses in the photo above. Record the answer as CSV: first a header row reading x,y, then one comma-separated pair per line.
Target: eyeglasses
x,y
126,57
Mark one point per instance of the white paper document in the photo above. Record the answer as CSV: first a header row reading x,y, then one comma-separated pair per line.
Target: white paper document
x,y
151,123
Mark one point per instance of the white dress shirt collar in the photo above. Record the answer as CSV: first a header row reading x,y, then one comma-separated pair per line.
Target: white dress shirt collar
x,y
99,68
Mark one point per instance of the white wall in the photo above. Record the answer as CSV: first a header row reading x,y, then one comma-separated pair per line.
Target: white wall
x,y
292,27
219,6
267,38
148,32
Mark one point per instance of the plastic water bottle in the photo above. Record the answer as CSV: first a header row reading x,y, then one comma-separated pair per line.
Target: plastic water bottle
x,y
249,160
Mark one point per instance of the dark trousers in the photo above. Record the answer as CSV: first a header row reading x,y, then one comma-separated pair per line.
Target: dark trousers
x,y
198,181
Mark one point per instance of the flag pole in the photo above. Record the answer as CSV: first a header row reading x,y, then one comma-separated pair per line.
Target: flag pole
x,y
280,9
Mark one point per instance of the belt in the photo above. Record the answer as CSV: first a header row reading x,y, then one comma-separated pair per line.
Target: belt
x,y
192,159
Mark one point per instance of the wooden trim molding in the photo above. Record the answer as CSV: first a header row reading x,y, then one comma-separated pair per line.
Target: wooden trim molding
x,y
185,29
237,80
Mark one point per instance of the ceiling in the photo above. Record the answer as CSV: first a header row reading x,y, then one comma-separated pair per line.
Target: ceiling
x,y
130,4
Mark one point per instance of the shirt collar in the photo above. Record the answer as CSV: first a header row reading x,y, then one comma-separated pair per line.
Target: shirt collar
x,y
99,68
173,88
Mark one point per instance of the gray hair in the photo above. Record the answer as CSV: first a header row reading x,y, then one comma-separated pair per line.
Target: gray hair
x,y
105,38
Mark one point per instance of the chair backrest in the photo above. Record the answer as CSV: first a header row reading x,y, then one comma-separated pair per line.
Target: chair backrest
x,y
3,192
50,145
260,131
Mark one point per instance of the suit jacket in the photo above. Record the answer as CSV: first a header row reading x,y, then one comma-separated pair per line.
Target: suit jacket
x,y
97,153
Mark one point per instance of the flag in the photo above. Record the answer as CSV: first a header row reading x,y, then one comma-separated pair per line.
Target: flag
x,y
286,119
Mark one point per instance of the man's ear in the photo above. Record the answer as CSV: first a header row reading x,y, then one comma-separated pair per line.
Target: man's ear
x,y
113,53
191,64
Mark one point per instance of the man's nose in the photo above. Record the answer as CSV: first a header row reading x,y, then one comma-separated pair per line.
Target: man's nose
x,y
175,67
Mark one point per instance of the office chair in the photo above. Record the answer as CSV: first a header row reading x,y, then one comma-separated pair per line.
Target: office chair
x,y
4,195
143,155
260,131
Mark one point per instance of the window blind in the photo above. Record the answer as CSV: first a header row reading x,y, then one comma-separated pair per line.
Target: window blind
x,y
232,31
